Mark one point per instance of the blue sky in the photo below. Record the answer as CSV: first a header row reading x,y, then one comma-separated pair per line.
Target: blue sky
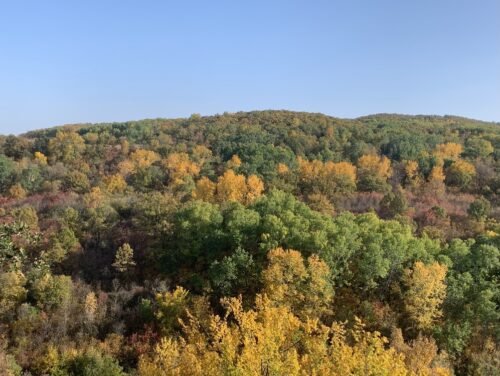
x,y
94,61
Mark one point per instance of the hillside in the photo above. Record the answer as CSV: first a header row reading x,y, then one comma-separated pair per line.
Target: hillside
x,y
266,242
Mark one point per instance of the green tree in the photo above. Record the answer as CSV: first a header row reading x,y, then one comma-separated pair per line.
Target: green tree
x,y
76,181
476,147
90,363
393,203
6,173
235,274
51,291
479,209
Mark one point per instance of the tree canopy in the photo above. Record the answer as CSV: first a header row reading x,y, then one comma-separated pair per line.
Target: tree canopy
x,y
251,243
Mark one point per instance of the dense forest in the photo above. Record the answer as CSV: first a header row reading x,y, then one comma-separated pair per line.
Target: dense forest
x,y
253,243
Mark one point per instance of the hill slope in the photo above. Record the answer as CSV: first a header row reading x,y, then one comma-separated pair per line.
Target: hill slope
x,y
263,232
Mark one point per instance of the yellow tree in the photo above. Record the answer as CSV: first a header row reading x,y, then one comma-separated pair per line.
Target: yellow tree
x,y
234,162
373,172
115,183
304,287
436,180
326,178
270,340
231,187
425,292
460,173
235,187
308,171
40,158
449,150
282,168
437,174
142,158
255,187
138,160
421,355
373,164
126,167
205,190
180,166
411,172
124,146
341,175
66,146
170,307
17,191
346,169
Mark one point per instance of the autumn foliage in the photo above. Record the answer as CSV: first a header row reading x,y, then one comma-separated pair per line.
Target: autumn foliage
x,y
253,243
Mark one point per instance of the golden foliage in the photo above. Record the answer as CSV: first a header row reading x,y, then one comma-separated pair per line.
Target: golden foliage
x,y
205,190
420,355
425,293
229,187
126,167
115,183
309,170
143,158
255,187
463,167
411,172
305,288
460,173
138,160
269,339
375,165
180,166
282,168
329,176
90,307
449,150
17,191
40,158
234,162
342,168
124,146
170,307
411,169
437,174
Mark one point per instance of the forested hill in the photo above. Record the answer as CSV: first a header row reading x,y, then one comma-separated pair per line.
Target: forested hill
x,y
252,243
290,118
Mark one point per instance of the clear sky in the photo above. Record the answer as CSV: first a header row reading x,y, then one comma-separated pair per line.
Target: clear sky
x,y
103,60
